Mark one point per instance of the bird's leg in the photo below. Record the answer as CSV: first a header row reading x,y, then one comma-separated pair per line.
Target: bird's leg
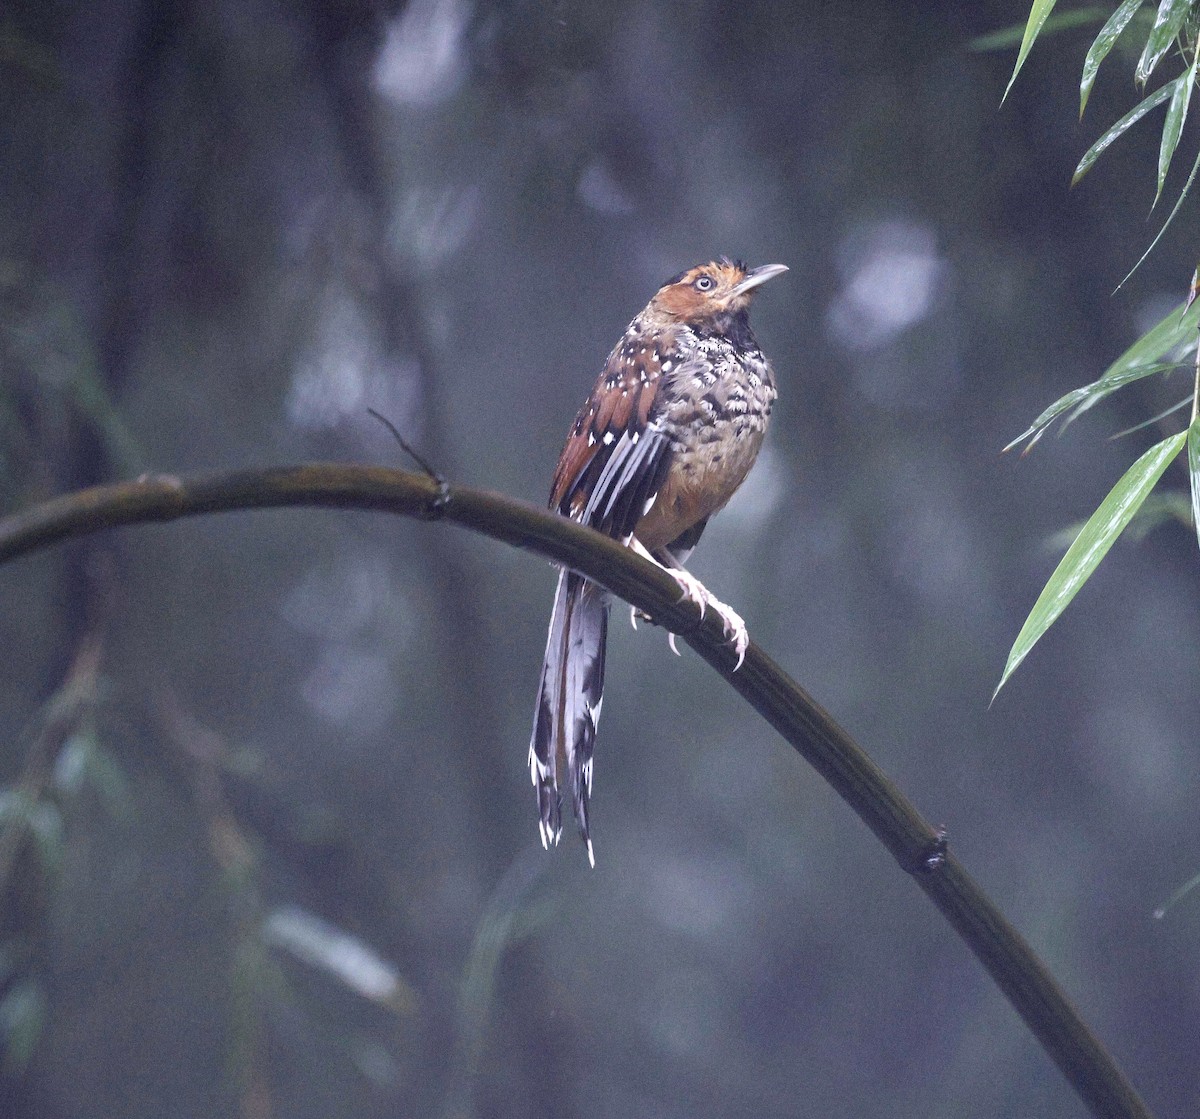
x,y
694,591
690,588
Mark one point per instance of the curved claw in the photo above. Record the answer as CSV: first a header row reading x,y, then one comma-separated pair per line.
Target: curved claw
x,y
735,629
691,589
671,642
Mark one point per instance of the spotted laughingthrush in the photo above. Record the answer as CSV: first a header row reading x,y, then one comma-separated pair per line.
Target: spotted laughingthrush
x,y
668,434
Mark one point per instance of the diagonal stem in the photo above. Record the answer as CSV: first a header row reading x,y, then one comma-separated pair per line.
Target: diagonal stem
x,y
917,847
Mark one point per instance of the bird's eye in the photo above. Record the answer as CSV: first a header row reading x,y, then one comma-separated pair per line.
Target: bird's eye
x,y
704,283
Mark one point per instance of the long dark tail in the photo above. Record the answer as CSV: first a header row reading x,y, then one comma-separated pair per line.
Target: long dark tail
x,y
568,704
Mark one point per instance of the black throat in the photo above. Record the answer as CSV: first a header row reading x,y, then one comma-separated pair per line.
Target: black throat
x,y
732,325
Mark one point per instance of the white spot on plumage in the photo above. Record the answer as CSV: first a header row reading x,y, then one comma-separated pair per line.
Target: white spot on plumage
x,y
608,438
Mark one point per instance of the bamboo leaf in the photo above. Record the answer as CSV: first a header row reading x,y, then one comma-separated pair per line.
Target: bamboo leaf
x,y
1174,329
1173,125
1178,328
1119,381
1084,397
1140,360
1090,547
1193,446
1170,218
1103,43
1037,18
1167,22
1121,127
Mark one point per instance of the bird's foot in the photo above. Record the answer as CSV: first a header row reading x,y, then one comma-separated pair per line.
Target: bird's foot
x,y
734,627
731,621
691,589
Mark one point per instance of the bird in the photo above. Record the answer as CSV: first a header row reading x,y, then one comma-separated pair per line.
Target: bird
x,y
670,431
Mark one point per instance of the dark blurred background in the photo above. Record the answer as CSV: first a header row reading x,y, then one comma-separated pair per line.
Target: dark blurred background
x,y
270,844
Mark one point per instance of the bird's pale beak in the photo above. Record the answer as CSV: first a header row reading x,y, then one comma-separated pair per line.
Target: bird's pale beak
x,y
758,276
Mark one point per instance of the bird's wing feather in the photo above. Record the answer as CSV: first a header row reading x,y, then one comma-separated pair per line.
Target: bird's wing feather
x,y
616,457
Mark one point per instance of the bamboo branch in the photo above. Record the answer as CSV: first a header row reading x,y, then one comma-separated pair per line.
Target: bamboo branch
x,y
918,848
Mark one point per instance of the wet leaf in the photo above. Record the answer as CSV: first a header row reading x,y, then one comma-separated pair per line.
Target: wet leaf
x,y
1037,18
1167,22
1091,546
1173,125
1177,328
1121,127
1103,43
1081,398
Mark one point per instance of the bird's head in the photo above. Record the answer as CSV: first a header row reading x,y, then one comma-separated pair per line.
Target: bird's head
x,y
711,296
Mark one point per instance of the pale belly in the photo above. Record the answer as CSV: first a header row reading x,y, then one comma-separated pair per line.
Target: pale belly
x,y
706,471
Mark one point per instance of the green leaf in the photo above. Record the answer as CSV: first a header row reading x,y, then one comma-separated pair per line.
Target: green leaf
x,y
1178,328
1173,125
1167,22
1121,127
1099,49
1174,329
1090,547
1170,218
1037,19
1010,36
1193,445
1083,398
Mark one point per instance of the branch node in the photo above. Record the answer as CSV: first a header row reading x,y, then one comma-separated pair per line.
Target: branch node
x,y
436,507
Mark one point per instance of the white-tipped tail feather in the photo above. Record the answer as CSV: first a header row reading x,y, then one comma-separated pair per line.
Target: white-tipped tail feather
x,y
568,705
